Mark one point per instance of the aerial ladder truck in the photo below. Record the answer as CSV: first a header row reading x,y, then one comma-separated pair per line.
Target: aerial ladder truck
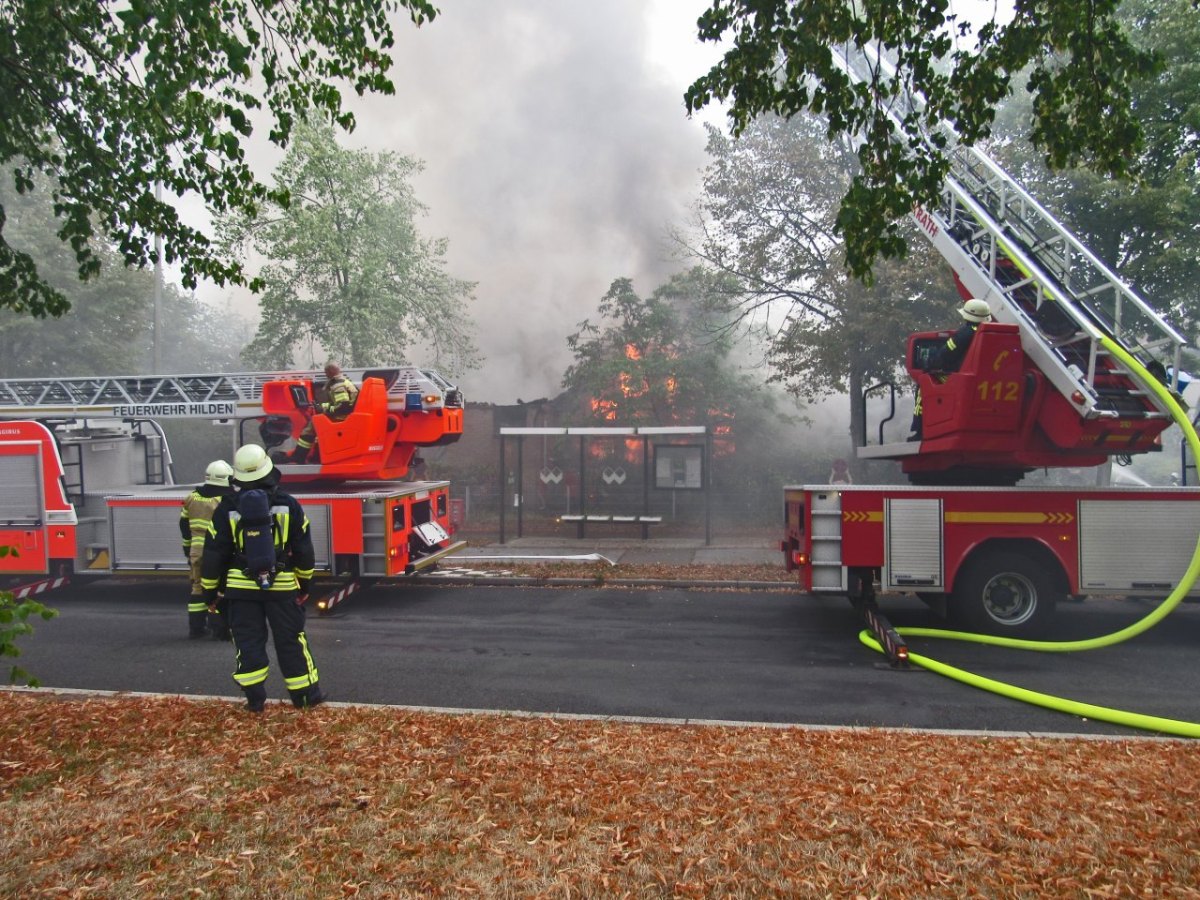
x,y
1075,370
87,482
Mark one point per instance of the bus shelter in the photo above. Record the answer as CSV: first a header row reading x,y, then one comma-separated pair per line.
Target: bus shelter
x,y
607,495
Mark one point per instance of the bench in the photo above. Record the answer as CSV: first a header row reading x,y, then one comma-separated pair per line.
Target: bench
x,y
581,520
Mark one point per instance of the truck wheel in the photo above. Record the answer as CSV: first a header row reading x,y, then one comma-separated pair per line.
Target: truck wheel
x,y
1003,592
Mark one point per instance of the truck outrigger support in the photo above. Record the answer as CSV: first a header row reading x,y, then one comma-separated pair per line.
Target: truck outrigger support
x,y
892,644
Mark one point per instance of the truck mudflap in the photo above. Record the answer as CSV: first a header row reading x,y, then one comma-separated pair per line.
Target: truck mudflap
x,y
429,559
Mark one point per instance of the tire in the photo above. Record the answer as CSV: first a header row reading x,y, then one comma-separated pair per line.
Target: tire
x,y
1004,592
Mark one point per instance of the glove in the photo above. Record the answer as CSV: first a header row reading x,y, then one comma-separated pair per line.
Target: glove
x,y
301,599
210,598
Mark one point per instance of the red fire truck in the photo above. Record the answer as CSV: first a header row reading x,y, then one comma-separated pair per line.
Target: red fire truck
x,y
1076,370
87,485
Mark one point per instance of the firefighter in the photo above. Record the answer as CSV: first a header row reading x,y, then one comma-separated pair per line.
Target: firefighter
x,y
194,517
258,605
949,356
335,400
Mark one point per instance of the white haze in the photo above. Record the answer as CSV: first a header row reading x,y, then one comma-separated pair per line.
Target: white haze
x,y
557,155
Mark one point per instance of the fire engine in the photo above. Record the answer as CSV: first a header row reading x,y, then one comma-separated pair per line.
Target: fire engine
x,y
1076,370
87,484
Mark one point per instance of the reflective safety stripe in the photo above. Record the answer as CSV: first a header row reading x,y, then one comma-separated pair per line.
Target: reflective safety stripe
x,y
246,679
197,605
300,682
210,584
284,581
310,678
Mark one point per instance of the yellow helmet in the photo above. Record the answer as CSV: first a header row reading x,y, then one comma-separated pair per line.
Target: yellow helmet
x,y
218,473
251,463
975,311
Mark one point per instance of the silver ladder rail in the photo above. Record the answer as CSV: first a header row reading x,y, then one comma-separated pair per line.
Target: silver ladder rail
x,y
1005,246
124,394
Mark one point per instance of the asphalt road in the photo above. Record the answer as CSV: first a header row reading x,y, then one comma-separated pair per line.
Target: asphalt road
x,y
687,654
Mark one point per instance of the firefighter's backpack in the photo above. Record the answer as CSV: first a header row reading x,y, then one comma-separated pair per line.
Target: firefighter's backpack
x,y
258,536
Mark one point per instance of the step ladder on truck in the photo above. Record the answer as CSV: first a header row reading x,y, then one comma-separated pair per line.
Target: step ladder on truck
x,y
1076,370
87,482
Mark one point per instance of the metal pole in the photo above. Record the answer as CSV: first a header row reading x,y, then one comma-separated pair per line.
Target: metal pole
x,y
707,488
582,487
502,492
645,475
520,498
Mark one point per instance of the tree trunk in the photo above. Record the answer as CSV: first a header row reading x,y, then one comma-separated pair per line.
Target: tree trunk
x,y
857,425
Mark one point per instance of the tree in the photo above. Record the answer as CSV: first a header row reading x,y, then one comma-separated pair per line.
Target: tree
x,y
662,358
769,216
1147,233
104,332
1081,67
111,99
346,267
667,359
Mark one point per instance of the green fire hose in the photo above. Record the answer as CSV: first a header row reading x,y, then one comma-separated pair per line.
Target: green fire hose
x,y
1072,707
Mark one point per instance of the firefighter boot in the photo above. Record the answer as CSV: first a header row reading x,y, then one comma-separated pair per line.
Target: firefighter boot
x,y
197,625
256,697
308,698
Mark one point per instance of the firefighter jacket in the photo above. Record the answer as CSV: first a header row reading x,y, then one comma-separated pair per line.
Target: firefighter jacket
x,y
223,557
340,394
956,347
195,514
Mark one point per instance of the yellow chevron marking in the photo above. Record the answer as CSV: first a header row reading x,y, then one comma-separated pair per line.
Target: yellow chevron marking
x,y
1011,518
875,515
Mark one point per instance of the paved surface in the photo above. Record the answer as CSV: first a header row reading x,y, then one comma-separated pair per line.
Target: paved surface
x,y
722,551
727,655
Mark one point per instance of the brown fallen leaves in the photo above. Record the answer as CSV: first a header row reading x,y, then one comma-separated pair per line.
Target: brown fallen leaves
x,y
143,797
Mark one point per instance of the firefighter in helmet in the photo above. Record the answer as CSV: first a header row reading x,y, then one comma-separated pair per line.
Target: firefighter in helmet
x,y
271,603
194,517
336,400
950,355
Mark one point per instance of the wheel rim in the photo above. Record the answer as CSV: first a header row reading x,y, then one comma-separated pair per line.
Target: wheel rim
x,y
1010,599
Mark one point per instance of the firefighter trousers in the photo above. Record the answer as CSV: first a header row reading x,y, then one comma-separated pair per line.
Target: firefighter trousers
x,y
251,618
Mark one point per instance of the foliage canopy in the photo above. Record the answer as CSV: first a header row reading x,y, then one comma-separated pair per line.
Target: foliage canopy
x,y
346,268
111,99
104,331
1079,62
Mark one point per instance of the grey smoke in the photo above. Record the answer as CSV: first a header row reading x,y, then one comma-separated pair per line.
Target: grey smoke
x,y
557,156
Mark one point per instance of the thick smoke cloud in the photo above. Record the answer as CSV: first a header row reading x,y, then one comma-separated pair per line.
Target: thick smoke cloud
x,y
557,155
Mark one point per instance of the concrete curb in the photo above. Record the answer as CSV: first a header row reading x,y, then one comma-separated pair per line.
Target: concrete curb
x,y
631,720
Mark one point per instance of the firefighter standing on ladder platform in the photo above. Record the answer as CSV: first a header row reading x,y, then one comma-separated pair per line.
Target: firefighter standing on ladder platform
x,y
337,403
950,355
254,608
194,516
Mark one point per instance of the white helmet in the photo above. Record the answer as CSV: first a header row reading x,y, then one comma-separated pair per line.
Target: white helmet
x,y
218,473
251,463
975,311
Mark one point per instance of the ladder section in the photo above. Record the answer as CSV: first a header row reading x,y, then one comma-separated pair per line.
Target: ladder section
x,y
196,396
828,572
1004,247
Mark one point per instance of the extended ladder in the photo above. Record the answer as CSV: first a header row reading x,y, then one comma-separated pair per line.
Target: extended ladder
x,y
1005,248
194,396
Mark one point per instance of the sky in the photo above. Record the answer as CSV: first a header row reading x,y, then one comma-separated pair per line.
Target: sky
x,y
557,155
